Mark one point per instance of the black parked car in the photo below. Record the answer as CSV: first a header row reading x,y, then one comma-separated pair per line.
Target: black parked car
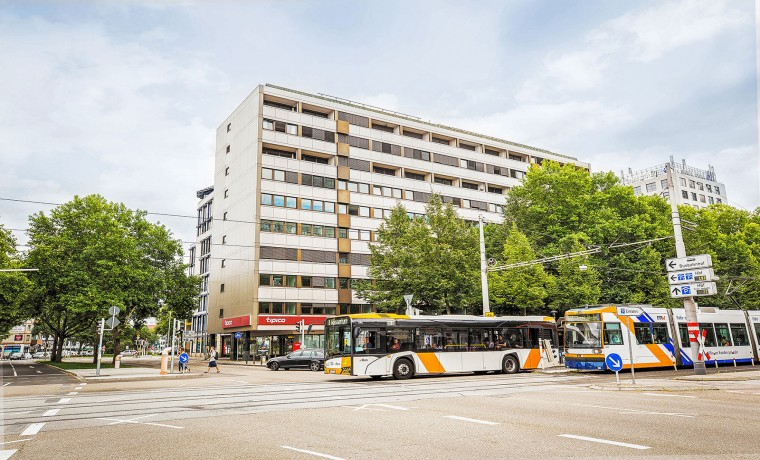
x,y
306,358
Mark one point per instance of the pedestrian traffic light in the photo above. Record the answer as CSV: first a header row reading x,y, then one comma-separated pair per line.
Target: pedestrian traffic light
x,y
298,326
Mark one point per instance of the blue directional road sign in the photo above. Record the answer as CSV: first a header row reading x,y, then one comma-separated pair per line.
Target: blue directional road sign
x,y
614,362
183,358
238,335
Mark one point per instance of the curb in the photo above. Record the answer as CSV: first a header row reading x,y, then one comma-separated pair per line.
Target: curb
x,y
71,373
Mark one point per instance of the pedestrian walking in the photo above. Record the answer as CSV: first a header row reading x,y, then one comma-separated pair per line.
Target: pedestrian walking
x,y
212,361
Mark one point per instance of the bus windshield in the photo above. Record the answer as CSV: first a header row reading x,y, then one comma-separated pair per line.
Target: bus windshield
x,y
337,338
586,334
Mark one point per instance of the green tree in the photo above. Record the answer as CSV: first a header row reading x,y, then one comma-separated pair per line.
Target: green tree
x,y
435,259
93,254
514,290
13,285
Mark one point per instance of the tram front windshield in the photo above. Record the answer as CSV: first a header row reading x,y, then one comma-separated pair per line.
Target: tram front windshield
x,y
585,334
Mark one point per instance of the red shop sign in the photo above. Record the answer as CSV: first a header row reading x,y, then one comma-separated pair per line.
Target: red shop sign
x,y
237,321
290,320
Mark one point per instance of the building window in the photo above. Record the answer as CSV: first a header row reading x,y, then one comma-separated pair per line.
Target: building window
x,y
227,193
685,194
691,183
227,171
701,198
414,176
710,200
229,127
651,187
717,191
664,184
221,288
268,124
718,200
693,196
342,233
438,140
470,185
443,181
224,216
637,190
223,262
708,187
278,153
682,181
291,129
314,159
496,190
343,258
224,239
700,186
385,171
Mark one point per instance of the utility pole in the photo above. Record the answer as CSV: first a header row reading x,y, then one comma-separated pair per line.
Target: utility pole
x,y
483,268
100,345
688,302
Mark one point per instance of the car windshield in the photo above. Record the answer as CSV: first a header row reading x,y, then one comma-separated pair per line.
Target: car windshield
x,y
586,334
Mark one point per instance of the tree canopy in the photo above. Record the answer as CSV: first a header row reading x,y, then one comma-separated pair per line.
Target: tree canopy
x,y
93,254
13,285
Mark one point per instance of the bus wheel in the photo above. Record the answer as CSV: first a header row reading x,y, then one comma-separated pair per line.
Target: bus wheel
x,y
510,365
403,369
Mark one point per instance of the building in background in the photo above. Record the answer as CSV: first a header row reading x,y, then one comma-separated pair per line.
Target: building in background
x,y
694,187
301,184
195,337
19,340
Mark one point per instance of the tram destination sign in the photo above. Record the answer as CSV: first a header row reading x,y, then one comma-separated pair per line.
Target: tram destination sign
x,y
688,263
691,276
693,289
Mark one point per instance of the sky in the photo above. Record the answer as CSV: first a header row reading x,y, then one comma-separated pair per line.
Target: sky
x,y
123,98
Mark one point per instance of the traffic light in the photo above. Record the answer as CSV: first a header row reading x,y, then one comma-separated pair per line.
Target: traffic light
x,y
298,326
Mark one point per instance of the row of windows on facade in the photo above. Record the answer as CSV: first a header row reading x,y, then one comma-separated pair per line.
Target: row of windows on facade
x,y
303,281
205,218
308,204
292,228
365,122
312,255
294,308
701,198
652,186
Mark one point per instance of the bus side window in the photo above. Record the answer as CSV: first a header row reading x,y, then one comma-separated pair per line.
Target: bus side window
x,y
613,335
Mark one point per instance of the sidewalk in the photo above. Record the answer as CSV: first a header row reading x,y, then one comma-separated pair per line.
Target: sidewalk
x,y
680,383
129,373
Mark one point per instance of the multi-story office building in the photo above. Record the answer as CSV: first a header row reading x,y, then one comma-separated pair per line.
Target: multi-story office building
x,y
302,182
199,257
693,186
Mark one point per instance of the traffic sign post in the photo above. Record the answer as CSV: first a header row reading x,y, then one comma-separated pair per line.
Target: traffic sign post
x,y
614,363
111,322
630,311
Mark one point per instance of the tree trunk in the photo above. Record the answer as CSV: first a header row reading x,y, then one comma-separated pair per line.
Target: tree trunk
x,y
54,350
116,333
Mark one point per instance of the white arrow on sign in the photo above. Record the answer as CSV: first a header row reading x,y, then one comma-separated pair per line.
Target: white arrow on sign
x,y
691,276
690,262
614,363
693,290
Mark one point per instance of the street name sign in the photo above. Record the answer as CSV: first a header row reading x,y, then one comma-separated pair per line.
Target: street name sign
x,y
691,276
614,362
629,311
689,262
693,289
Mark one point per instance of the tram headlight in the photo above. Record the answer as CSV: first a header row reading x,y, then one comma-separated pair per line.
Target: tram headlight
x,y
597,350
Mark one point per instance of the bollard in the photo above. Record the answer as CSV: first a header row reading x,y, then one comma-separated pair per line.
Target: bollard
x,y
165,360
117,362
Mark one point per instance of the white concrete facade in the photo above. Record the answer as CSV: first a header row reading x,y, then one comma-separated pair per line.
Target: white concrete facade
x,y
302,182
694,187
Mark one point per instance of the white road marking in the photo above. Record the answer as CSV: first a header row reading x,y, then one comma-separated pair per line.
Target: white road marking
x,y
636,411
134,420
370,407
82,384
39,372
6,454
239,381
482,422
31,367
6,384
310,452
72,393
604,441
11,442
671,396
14,370
63,400
51,412
32,429
78,388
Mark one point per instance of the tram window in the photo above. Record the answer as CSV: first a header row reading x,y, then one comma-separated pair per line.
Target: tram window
x,y
739,332
643,332
455,339
757,333
724,338
710,334
613,334
660,333
684,333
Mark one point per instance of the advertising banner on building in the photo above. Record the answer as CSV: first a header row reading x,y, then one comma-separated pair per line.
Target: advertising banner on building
x,y
237,321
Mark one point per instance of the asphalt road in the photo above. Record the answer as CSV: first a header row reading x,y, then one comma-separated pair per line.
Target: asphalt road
x,y
488,416
29,372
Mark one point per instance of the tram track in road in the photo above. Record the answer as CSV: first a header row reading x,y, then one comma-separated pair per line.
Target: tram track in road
x,y
206,402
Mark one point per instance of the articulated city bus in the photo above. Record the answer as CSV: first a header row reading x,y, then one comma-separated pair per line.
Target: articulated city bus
x,y
658,337
379,345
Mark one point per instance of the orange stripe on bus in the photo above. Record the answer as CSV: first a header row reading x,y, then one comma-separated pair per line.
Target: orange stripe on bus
x,y
431,363
534,358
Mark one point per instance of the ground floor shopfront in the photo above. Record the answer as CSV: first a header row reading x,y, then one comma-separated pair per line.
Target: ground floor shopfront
x,y
272,335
